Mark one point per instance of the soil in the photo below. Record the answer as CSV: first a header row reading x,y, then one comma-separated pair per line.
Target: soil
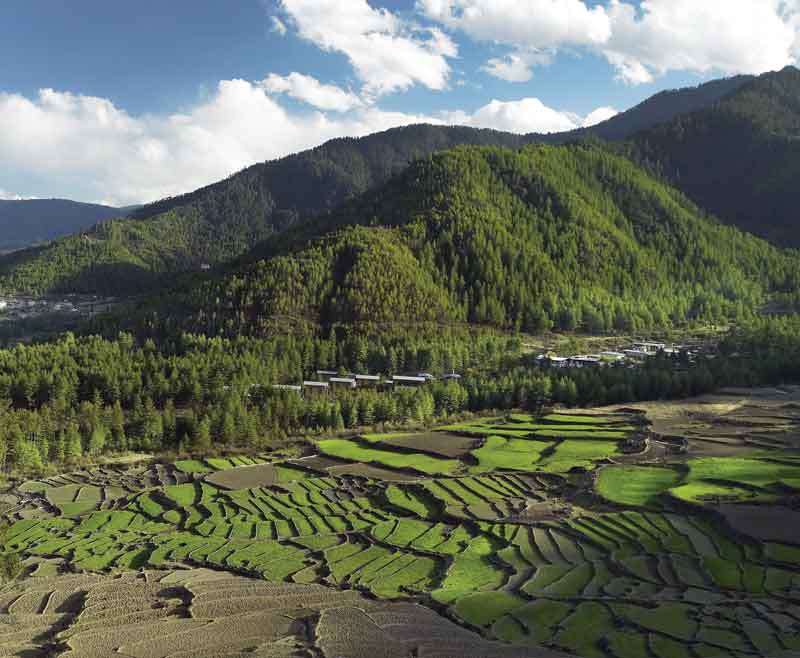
x,y
768,523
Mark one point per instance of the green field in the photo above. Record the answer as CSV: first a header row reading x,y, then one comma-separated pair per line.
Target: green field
x,y
356,452
638,486
507,539
498,453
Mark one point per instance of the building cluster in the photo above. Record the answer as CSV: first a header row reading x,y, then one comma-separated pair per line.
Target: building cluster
x,y
630,355
328,381
24,308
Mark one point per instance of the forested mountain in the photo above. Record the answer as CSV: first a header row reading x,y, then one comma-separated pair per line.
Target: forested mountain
x,y
29,221
739,158
657,109
546,236
224,220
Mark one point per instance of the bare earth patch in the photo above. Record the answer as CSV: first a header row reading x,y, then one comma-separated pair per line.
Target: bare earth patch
x,y
244,477
200,613
442,444
768,523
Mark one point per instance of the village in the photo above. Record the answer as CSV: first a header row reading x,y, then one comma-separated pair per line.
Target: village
x,y
630,356
328,382
28,307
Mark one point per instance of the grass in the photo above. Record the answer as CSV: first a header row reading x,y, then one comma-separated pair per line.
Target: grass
x,y
409,500
508,454
584,454
580,419
605,585
637,486
484,608
387,436
698,492
182,494
353,451
193,466
756,472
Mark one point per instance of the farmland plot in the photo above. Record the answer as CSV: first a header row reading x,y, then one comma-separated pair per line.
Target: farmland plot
x,y
627,563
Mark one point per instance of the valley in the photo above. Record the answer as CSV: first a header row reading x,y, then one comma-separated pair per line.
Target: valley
x,y
435,391
496,536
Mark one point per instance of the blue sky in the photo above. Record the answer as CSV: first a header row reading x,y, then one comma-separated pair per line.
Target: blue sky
x,y
127,102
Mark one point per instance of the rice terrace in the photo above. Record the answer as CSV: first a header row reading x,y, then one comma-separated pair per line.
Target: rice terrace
x,y
611,533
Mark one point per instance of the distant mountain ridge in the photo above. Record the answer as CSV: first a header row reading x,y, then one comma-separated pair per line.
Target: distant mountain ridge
x,y
223,221
28,221
544,237
738,158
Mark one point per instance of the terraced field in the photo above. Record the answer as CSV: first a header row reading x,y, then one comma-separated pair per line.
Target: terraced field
x,y
532,541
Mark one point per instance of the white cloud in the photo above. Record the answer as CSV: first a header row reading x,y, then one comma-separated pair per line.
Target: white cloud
x,y
532,23
312,91
278,26
641,41
517,66
527,115
386,53
745,36
86,148
598,116
8,196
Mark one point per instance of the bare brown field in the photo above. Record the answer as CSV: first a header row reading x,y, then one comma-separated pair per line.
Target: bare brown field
x,y
443,444
371,472
730,422
200,613
765,522
244,477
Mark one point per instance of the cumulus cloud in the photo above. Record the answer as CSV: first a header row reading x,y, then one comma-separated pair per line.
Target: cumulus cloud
x,y
746,36
641,41
85,147
8,196
517,66
278,26
598,116
386,53
310,90
527,115
532,23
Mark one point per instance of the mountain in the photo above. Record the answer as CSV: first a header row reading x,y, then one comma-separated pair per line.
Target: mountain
x,y
660,108
224,220
738,158
29,221
546,236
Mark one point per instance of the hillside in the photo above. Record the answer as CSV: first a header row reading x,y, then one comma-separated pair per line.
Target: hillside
x,y
29,221
657,109
739,158
548,236
224,220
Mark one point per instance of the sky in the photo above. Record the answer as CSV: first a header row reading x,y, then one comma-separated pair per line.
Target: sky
x,y
123,103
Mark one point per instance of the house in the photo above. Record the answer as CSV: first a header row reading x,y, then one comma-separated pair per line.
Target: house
x,y
325,375
650,348
408,381
556,361
287,387
583,361
315,388
386,385
337,383
365,381
426,376
452,376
